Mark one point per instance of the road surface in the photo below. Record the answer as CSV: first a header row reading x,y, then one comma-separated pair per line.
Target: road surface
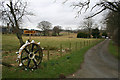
x,y
98,63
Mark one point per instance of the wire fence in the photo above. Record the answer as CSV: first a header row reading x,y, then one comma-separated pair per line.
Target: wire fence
x,y
61,51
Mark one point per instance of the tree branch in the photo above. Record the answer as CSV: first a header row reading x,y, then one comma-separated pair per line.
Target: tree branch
x,y
96,13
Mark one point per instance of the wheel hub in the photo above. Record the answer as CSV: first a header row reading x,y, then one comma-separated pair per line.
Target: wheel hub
x,y
31,55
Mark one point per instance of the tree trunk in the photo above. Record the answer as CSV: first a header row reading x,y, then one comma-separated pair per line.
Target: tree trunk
x,y
58,33
19,36
44,32
16,27
89,32
55,33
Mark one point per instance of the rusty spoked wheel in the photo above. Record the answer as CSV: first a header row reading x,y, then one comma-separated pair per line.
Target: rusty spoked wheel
x,y
30,55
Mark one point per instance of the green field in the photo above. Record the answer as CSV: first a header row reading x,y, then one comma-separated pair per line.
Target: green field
x,y
48,69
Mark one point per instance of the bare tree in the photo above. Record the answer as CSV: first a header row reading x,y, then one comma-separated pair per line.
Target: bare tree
x,y
45,26
103,4
57,29
113,26
12,12
68,29
88,24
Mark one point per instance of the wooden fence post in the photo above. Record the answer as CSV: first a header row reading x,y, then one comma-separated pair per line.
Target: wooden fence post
x,y
70,46
48,53
89,42
61,50
84,43
92,42
80,45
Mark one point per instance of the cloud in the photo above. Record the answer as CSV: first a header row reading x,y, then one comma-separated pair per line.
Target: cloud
x,y
56,13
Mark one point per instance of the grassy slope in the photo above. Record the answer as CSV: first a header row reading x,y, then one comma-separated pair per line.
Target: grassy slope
x,y
113,49
50,69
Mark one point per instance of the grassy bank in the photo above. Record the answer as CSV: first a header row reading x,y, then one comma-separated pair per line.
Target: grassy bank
x,y
113,49
65,65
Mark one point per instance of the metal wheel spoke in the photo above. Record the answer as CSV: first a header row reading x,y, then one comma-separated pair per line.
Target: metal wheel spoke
x,y
32,47
24,58
26,50
35,62
36,51
29,60
37,56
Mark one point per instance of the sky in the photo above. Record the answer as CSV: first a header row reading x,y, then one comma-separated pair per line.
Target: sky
x,y
57,13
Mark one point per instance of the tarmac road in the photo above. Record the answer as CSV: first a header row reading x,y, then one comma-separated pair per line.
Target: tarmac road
x,y
98,63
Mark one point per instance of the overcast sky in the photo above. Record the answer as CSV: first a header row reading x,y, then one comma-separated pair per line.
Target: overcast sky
x,y
56,13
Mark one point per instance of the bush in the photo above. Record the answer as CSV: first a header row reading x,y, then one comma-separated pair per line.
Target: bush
x,y
104,34
53,34
96,33
82,35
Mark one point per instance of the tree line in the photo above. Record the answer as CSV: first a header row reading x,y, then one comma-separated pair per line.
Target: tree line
x,y
12,12
45,26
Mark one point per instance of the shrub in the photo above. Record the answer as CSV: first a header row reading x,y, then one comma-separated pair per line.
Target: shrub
x,y
104,34
54,34
96,33
82,35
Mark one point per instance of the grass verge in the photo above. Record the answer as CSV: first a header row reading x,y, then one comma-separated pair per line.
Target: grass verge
x,y
113,49
65,65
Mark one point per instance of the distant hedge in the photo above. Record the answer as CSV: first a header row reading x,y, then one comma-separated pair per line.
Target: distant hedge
x,y
96,33
104,34
82,35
